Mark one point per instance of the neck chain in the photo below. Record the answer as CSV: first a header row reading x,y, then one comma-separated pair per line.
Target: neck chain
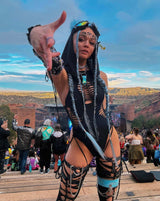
x,y
82,67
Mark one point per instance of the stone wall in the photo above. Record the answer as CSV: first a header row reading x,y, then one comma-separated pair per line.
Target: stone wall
x,y
23,113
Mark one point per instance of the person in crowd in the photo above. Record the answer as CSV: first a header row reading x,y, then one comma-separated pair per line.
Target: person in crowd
x,y
135,149
125,152
14,164
4,144
25,136
32,161
122,142
156,141
58,146
45,145
83,90
150,142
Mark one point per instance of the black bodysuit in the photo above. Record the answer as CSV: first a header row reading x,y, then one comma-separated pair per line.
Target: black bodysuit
x,y
101,120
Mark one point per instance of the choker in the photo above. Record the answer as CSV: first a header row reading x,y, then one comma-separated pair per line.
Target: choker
x,y
82,67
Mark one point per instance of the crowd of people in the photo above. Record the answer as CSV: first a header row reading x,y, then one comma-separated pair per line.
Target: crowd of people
x,y
34,149
48,145
38,150
139,145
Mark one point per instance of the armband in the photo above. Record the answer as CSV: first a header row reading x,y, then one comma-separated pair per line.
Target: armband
x,y
29,31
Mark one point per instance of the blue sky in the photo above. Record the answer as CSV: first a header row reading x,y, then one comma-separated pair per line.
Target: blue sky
x,y
130,31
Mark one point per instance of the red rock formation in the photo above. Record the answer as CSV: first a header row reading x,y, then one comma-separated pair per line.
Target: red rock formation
x,y
23,113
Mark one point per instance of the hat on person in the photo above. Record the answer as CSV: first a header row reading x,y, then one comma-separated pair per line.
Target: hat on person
x,y
47,122
27,121
1,121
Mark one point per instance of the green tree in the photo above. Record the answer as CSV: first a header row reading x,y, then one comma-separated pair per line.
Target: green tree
x,y
7,114
139,122
151,123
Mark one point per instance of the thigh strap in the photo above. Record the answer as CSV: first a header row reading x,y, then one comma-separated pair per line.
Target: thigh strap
x,y
71,181
105,170
106,193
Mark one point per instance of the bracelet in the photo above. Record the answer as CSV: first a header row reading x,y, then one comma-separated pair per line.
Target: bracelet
x,y
29,31
57,65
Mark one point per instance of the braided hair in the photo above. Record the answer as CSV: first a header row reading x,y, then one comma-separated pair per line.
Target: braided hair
x,y
71,65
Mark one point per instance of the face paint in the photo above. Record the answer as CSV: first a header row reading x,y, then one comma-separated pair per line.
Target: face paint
x,y
84,36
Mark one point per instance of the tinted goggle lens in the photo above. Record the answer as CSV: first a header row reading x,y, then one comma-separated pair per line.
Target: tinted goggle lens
x,y
83,23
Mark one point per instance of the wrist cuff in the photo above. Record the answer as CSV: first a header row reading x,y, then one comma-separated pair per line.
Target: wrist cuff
x,y
29,31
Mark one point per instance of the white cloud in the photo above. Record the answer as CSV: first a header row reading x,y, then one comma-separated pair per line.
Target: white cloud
x,y
35,72
120,79
19,79
11,77
121,75
145,73
154,79
4,60
117,82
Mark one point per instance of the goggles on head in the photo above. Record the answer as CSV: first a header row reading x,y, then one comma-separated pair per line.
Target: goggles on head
x,y
83,24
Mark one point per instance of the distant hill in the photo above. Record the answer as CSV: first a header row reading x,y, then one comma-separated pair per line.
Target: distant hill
x,y
119,96
127,95
19,97
135,91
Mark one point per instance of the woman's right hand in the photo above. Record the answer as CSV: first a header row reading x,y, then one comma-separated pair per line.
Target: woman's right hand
x,y
41,38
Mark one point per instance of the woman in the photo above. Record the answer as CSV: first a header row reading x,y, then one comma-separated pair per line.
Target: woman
x,y
135,149
149,142
58,146
85,97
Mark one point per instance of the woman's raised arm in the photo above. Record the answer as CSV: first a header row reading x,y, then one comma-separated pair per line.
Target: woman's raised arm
x,y
41,38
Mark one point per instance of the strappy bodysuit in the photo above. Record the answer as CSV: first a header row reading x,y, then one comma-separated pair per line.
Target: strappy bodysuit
x,y
101,122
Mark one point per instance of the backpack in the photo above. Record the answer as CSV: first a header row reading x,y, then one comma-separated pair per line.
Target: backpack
x,y
58,144
142,176
38,138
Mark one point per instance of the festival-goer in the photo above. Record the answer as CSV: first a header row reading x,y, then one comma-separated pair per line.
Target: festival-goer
x,y
14,160
4,145
25,134
83,90
122,142
45,145
135,149
149,142
32,161
58,146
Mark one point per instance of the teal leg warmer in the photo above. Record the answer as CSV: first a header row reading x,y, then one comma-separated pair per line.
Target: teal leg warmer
x,y
106,188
